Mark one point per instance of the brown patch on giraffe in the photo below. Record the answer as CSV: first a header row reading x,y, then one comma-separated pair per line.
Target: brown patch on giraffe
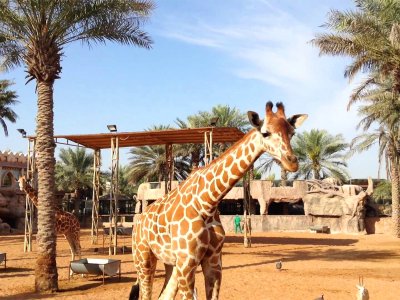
x,y
225,177
228,161
243,164
179,214
209,176
184,227
161,219
239,153
182,243
252,147
246,151
201,183
190,213
249,158
235,170
197,226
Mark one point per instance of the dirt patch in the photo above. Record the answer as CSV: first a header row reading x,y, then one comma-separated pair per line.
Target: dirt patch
x,y
312,264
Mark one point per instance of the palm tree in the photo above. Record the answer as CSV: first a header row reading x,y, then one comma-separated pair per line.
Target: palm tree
x,y
266,165
74,173
7,98
320,155
371,37
382,106
35,33
224,115
148,163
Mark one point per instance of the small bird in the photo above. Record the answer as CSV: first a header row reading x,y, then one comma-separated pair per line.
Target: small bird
x,y
320,298
362,293
278,265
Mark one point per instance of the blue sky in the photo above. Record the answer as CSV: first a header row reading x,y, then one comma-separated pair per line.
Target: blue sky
x,y
238,53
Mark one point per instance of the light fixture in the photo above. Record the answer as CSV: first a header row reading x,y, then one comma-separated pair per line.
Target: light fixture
x,y
112,128
22,132
213,121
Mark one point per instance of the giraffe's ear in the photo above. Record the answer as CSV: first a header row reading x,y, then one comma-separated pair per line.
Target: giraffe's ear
x,y
254,119
297,120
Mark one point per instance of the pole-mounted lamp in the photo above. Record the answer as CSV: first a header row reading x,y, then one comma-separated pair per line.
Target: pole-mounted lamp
x,y
22,132
112,128
213,121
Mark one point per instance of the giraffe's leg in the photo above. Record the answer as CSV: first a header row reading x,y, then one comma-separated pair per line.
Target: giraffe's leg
x,y
212,270
186,270
71,243
170,287
145,264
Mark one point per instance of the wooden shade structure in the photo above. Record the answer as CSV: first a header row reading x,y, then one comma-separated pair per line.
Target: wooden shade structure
x,y
151,138
116,140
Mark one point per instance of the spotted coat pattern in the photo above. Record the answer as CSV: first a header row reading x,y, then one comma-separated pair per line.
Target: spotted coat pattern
x,y
183,228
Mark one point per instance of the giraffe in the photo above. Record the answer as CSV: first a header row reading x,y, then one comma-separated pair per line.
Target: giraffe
x,y
66,223
183,229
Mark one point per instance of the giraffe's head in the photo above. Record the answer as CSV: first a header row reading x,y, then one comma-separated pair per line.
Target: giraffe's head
x,y
277,130
22,182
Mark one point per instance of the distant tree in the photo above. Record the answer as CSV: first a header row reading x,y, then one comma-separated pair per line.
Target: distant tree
x,y
74,173
148,163
320,155
125,187
7,99
225,116
266,165
383,191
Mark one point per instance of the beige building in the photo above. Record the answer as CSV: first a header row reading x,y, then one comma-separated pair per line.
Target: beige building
x,y
12,200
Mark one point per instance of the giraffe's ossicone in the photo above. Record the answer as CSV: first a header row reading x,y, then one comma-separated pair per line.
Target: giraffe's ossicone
x,y
183,228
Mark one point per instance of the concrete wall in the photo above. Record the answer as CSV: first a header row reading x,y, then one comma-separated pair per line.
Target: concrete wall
x,y
267,223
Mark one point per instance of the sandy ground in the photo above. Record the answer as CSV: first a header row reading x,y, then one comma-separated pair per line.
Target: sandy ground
x,y
312,264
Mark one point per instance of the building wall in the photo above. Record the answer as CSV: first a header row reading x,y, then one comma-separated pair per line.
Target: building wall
x,y
12,200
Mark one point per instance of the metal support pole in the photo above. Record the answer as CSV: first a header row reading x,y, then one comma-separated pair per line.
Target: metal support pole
x,y
95,196
247,210
208,147
114,196
169,172
29,207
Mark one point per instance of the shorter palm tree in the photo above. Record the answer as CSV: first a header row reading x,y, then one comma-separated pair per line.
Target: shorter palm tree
x,y
148,163
223,116
320,155
7,99
74,172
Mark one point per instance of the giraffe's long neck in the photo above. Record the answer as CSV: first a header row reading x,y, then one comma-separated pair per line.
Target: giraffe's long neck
x,y
30,191
217,179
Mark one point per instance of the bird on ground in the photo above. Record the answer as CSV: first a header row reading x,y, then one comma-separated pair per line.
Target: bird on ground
x,y
320,298
362,293
278,265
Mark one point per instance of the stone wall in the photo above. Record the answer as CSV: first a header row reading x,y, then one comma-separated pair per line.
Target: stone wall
x,y
259,223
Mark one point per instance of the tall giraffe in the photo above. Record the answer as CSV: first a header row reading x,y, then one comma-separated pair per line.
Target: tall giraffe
x,y
183,228
66,223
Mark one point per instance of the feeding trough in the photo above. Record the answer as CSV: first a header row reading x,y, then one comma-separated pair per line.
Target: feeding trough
x,y
96,266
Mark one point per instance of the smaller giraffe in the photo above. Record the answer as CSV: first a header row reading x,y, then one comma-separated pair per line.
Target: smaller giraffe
x,y
66,223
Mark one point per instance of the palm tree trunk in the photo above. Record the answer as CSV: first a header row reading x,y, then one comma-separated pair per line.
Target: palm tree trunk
x,y
46,276
394,170
283,177
77,202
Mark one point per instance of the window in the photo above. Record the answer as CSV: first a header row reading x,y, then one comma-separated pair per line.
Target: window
x,y
7,180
